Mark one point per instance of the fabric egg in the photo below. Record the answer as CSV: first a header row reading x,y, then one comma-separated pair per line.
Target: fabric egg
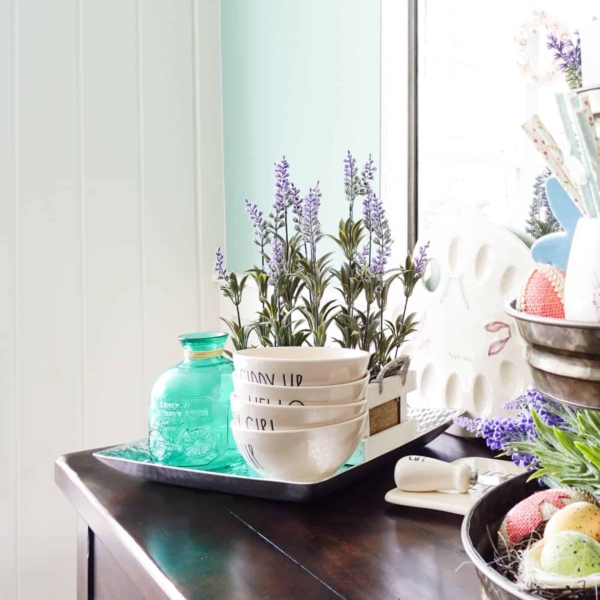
x,y
571,554
542,292
530,513
582,517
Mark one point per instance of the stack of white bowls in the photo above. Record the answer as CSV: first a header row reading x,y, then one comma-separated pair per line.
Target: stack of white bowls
x,y
299,413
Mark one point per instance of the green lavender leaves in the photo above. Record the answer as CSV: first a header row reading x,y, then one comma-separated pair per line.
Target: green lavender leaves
x,y
570,455
303,299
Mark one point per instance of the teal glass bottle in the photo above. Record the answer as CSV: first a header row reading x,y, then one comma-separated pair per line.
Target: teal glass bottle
x,y
190,413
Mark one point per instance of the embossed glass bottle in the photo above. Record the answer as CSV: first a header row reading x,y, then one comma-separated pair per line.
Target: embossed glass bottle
x,y
189,412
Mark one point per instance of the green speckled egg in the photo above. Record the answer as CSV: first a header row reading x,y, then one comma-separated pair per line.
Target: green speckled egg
x,y
571,554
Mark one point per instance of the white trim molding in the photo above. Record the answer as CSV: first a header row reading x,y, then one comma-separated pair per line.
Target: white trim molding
x,y
394,121
210,190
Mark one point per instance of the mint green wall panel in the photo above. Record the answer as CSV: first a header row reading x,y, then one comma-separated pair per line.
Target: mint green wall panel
x,y
301,78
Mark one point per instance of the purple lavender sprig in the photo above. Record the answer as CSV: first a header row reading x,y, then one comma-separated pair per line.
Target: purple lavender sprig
x,y
310,227
260,228
218,267
296,207
361,257
367,208
503,433
541,221
421,259
282,187
285,193
379,261
380,234
277,262
367,175
567,55
352,183
232,287
256,216
286,196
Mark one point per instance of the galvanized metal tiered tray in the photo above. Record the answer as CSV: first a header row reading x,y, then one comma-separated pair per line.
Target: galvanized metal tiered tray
x,y
134,459
480,527
564,357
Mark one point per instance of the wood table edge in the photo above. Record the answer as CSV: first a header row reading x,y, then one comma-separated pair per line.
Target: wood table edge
x,y
138,566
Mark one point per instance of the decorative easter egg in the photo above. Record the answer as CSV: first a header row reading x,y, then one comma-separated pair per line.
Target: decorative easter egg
x,y
530,513
531,573
582,517
571,554
542,292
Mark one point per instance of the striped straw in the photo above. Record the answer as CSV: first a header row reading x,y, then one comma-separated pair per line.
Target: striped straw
x,y
589,115
568,125
589,156
548,148
590,159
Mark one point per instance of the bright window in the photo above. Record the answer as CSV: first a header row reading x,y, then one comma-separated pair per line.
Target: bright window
x,y
474,159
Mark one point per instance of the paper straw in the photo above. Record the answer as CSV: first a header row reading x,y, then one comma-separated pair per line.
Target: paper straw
x,y
587,141
590,156
589,116
590,189
536,122
553,158
568,125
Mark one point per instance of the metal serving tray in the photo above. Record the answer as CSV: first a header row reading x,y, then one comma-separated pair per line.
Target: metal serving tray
x,y
134,459
564,357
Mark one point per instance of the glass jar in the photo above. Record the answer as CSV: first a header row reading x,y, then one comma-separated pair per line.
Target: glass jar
x,y
189,412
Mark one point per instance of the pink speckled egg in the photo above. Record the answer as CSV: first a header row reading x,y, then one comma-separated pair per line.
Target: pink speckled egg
x,y
542,292
526,516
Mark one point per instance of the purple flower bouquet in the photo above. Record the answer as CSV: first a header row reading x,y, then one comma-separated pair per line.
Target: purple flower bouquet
x,y
301,293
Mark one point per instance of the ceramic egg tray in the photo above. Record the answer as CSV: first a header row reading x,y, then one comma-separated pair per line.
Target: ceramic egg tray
x,y
133,459
467,354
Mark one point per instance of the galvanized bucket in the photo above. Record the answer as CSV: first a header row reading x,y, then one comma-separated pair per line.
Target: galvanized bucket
x,y
564,357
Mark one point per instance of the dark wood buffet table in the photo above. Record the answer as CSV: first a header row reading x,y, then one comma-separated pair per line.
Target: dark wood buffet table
x,y
140,539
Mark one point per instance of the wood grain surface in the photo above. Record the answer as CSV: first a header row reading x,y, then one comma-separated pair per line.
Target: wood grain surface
x,y
175,542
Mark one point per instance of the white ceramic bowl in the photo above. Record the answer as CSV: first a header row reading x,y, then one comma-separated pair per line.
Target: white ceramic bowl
x,y
271,417
304,366
344,393
301,455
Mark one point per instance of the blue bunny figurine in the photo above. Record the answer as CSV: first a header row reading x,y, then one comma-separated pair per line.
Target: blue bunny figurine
x,y
554,248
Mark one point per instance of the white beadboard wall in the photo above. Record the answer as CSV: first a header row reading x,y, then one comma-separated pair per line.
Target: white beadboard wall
x,y
111,201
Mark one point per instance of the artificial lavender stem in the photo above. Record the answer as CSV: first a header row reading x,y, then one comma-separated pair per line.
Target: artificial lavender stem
x,y
260,228
287,242
282,192
421,261
310,227
218,267
568,57
239,319
403,317
350,174
367,326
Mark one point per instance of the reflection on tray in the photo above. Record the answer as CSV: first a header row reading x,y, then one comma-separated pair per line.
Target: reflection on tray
x,y
428,419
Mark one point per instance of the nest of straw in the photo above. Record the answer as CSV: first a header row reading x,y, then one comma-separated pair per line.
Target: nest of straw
x,y
507,561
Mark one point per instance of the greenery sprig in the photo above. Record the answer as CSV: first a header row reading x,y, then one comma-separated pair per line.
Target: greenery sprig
x,y
557,443
568,455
